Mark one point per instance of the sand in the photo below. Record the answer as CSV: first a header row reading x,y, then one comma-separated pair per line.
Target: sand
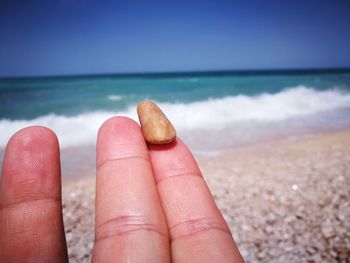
x,y
285,200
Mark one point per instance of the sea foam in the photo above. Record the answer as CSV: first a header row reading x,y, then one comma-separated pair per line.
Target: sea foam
x,y
215,113
113,97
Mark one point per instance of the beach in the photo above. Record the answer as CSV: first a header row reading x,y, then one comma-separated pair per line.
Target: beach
x,y
273,146
259,91
285,200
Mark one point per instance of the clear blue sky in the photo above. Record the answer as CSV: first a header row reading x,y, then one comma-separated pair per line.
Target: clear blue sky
x,y
57,37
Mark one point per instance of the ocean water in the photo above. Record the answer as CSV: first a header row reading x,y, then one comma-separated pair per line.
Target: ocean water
x,y
210,111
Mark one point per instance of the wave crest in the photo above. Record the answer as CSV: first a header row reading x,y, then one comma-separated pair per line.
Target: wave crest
x,y
291,102
113,97
207,114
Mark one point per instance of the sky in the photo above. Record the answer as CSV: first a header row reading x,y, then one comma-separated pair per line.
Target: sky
x,y
67,37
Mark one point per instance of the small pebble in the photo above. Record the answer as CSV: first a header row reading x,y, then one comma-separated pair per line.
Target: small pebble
x,y
295,187
156,128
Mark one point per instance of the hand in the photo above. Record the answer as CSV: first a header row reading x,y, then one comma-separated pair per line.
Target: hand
x,y
152,204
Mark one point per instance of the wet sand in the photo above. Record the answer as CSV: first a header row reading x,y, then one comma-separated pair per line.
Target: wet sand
x,y
284,200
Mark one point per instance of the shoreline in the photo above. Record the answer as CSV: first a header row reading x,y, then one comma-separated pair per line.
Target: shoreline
x,y
75,169
284,200
280,140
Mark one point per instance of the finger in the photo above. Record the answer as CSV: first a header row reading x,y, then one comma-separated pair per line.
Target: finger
x,y
197,230
31,225
130,223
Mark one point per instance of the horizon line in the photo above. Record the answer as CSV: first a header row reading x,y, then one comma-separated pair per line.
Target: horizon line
x,y
238,72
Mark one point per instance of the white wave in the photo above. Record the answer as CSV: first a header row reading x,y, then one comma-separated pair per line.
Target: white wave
x,y
71,131
115,97
207,114
291,102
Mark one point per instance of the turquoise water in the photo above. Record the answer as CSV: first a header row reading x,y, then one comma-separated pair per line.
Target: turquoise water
x,y
31,98
240,105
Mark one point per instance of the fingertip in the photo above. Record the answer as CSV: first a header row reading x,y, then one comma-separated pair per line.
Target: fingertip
x,y
31,165
29,145
119,137
30,137
117,122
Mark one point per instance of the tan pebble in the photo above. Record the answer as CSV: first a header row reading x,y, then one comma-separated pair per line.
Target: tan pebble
x,y
156,128
343,253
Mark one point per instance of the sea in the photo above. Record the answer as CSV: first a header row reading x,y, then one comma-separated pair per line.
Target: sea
x,y
211,111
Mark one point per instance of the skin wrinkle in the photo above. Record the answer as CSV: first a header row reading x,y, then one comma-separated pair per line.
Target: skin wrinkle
x,y
41,214
104,172
126,218
121,225
177,170
20,185
123,156
193,226
8,233
29,197
33,164
114,149
13,204
128,228
164,178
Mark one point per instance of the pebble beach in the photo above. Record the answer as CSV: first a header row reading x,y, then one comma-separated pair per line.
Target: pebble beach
x,y
285,200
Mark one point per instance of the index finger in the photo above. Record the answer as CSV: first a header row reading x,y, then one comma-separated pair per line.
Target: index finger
x,y
130,223
197,229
